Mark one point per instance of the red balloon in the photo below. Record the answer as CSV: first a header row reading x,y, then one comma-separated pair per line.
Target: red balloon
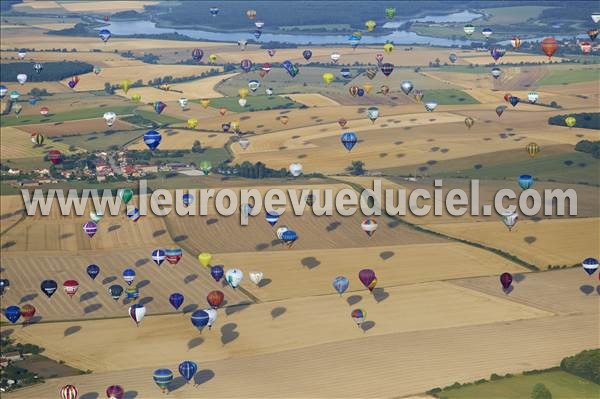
x,y
71,287
27,311
54,156
549,46
215,298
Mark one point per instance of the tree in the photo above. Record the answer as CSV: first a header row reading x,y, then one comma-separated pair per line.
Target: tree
x,y
196,147
540,392
108,89
356,168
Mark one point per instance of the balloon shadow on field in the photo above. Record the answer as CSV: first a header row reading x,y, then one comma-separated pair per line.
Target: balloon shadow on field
x,y
90,395
278,311
189,278
176,384
530,239
276,242
88,295
236,308
71,330
228,333
194,342
92,308
310,261
146,300
586,289
37,319
385,255
130,395
332,226
158,233
354,299
109,280
180,238
367,325
203,376
142,284
262,246
518,277
114,227
212,221
264,282
66,235
28,297
141,262
190,308
380,295
394,223
6,333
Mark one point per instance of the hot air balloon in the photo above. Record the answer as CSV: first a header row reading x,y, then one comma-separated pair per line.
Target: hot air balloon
x,y
289,237
183,102
214,11
487,32
188,369
514,100
173,255
115,392
125,85
369,226
38,67
12,313
500,110
496,72
176,300
585,47
70,287
497,53
251,14
353,90
115,291
284,119
370,25
244,143
4,285
217,272
328,77
596,17
259,24
295,169
256,277
390,12
133,214
158,256
532,149
291,69
271,52
129,276
387,69
525,181
469,122
388,48
570,121
162,378
212,58
379,58
452,57
21,54
137,313
212,317
354,40
406,86
49,287
90,228
215,298
532,97
242,44
335,57
549,46
97,70
234,277
192,123
110,118
136,98
200,319
516,42
69,392
27,312
205,167
152,139
93,271
367,277
197,54
187,199
373,114
593,33
96,216
105,35
358,315
159,106
253,85
349,140
55,156
204,258
242,102
383,89
340,284
506,280
22,78
430,106
257,34
37,139
126,194
246,65
590,265
342,122
73,82
371,72
17,108
272,218
509,219
469,29
3,91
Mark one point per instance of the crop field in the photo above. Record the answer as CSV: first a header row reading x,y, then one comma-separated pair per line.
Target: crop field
x,y
60,117
254,103
179,139
16,143
313,100
513,15
560,78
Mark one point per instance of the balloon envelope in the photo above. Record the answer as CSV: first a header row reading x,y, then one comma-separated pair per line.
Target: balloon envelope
x,y
187,369
340,284
368,278
176,300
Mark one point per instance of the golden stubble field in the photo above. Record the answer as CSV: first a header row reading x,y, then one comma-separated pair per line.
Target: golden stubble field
x,y
16,143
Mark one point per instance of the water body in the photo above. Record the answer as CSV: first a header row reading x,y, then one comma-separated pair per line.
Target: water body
x,y
397,37
457,17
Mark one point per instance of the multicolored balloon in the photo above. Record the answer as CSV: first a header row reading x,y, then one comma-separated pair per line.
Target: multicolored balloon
x,y
340,284
162,378
590,265
137,313
368,278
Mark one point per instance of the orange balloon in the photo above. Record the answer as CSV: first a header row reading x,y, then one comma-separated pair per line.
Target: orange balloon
x,y
222,111
549,46
284,119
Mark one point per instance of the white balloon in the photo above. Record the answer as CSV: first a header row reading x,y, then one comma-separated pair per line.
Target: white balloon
x,y
295,169
430,106
234,277
269,91
242,102
406,86
335,57
212,317
21,54
281,230
183,102
244,143
256,277
22,78
110,118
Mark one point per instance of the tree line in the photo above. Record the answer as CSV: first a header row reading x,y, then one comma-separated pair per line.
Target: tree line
x,y
50,72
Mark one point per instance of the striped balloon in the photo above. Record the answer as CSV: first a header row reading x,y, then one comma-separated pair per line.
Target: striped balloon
x,y
162,378
90,228
173,255
187,369
69,392
152,139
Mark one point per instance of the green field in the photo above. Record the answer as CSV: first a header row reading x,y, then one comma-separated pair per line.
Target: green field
x,y
448,97
566,77
75,114
254,103
101,141
561,384
29,163
460,68
445,31
512,15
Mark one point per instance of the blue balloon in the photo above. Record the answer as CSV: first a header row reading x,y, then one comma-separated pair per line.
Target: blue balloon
x,y
93,271
290,68
307,54
525,181
3,91
134,214
341,284
33,100
214,11
360,92
354,40
217,272
128,275
345,72
289,236
272,218
158,256
105,35
12,313
49,287
187,199
187,369
152,139
513,100
257,34
176,300
200,319
349,140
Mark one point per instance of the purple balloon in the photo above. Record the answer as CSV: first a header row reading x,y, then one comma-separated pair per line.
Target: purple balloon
x,y
217,272
72,84
176,300
90,228
506,280
367,276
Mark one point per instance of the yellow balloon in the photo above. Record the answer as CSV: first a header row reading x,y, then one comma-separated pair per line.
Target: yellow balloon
x,y
205,102
192,123
328,77
204,258
388,47
136,98
367,87
125,85
212,58
570,121
370,25
243,92
235,126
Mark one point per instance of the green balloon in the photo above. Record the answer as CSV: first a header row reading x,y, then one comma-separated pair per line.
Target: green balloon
x,y
205,167
126,194
390,12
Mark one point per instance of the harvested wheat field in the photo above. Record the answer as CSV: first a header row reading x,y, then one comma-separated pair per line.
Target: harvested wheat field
x,y
11,211
78,127
543,242
121,5
95,58
179,139
16,143
313,100
203,88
